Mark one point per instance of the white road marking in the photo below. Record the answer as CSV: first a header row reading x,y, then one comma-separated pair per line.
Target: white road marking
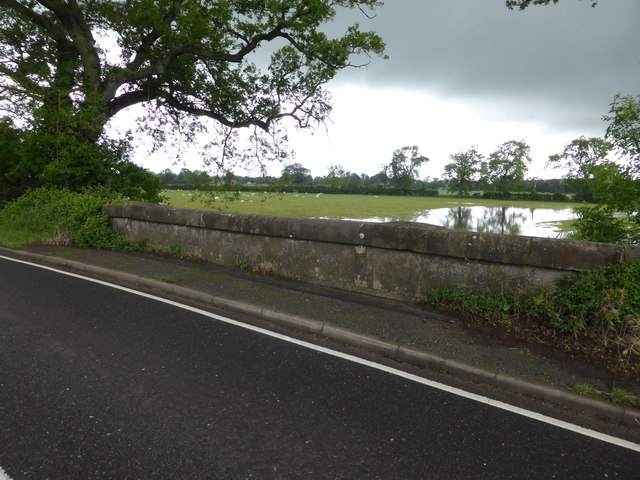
x,y
440,386
3,475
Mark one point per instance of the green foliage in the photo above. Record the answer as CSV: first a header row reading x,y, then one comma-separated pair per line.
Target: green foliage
x,y
193,178
61,216
29,161
295,174
134,182
462,171
615,188
602,300
599,224
624,128
617,396
525,196
579,159
12,182
586,390
196,177
337,177
242,265
623,398
615,218
507,166
497,306
602,303
183,60
404,165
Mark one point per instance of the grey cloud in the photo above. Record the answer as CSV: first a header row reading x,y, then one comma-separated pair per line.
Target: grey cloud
x,y
560,65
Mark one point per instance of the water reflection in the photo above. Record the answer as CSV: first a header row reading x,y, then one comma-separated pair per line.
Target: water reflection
x,y
536,222
494,220
458,218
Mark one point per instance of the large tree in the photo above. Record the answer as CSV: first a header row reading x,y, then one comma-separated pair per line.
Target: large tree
x,y
68,67
463,170
404,166
337,176
295,174
624,129
616,187
578,160
506,168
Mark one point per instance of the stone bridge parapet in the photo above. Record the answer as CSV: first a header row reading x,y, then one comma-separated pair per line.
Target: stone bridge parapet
x,y
396,259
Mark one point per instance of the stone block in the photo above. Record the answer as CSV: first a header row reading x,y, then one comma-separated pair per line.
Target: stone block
x,y
631,253
573,255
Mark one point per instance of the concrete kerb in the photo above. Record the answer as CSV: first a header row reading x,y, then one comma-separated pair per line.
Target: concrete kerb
x,y
340,335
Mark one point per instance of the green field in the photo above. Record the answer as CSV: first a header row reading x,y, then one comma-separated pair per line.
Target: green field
x,y
344,206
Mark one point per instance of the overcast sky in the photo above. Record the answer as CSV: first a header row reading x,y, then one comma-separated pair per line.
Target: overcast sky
x,y
472,72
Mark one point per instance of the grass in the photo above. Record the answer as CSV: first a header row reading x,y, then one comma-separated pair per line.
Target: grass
x,y
12,238
623,398
586,390
343,206
617,396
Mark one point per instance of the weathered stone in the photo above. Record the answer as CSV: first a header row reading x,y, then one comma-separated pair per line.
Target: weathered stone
x,y
573,255
631,253
158,213
489,247
397,260
113,210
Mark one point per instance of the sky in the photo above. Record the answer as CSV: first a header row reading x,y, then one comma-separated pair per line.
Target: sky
x,y
470,72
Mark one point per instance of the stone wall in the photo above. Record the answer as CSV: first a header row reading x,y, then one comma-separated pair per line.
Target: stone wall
x,y
397,259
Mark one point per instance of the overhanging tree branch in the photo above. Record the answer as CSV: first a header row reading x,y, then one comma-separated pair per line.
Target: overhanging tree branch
x,y
190,57
72,19
147,42
56,33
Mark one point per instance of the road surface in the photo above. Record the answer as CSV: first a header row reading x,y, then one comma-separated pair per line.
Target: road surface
x,y
99,382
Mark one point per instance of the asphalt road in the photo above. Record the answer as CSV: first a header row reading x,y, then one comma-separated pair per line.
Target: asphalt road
x,y
97,382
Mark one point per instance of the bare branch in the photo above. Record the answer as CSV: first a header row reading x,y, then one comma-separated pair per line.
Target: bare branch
x,y
184,107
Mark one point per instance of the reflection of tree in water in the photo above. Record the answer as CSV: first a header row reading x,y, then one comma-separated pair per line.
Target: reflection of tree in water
x,y
499,220
458,218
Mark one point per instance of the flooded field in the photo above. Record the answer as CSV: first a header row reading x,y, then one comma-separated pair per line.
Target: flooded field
x,y
535,222
538,219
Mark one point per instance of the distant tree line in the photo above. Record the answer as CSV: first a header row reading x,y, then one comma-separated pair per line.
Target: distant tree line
x,y
500,176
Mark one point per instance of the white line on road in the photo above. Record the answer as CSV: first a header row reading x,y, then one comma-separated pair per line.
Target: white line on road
x,y
440,386
3,475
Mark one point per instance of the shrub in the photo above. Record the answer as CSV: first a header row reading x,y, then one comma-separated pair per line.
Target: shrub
x,y
53,215
32,158
598,224
602,303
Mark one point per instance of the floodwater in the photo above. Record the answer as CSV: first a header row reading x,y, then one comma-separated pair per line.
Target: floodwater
x,y
534,222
